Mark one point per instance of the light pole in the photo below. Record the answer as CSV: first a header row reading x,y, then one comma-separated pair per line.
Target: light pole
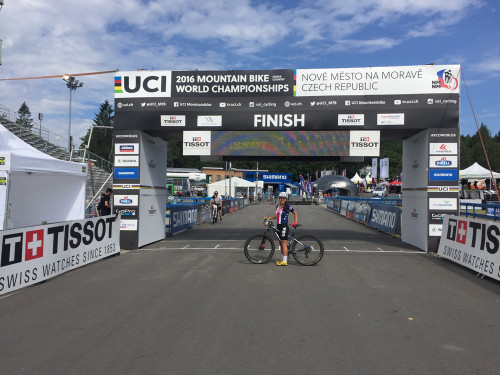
x,y
72,84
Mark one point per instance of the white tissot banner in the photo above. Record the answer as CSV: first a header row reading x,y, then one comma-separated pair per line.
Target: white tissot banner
x,y
472,243
34,254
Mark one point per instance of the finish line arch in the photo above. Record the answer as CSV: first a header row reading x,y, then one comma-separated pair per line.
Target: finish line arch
x,y
301,113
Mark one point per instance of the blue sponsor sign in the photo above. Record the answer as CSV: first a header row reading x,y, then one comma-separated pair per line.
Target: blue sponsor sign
x,y
443,175
493,210
127,173
385,218
268,177
183,217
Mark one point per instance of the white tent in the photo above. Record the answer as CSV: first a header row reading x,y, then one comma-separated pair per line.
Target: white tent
x,y
475,171
356,179
222,186
35,187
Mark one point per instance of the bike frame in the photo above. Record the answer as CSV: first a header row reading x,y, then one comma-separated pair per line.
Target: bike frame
x,y
291,238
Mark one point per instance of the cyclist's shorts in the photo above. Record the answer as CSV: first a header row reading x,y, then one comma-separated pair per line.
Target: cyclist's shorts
x,y
283,231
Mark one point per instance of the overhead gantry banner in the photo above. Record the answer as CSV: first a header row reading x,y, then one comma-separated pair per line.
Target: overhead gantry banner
x,y
399,100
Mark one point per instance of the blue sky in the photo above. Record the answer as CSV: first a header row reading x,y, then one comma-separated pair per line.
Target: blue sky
x,y
52,37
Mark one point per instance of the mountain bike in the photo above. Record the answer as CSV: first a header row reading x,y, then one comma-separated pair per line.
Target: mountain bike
x,y
306,249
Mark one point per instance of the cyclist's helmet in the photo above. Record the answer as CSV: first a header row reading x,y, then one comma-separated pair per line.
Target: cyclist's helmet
x,y
216,192
282,195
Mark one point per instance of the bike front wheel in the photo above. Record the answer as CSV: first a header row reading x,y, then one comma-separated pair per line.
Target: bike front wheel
x,y
259,249
307,250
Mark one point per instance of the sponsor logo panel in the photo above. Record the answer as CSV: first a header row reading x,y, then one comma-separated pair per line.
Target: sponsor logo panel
x,y
127,148
442,204
128,212
364,143
126,186
126,200
126,173
128,225
351,120
443,189
435,230
443,148
173,120
196,142
443,174
209,121
443,162
390,119
126,161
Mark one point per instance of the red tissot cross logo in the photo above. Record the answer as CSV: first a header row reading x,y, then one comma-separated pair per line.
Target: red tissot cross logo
x,y
462,231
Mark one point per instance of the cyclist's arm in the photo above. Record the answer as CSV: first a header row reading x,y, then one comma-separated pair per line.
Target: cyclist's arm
x,y
295,216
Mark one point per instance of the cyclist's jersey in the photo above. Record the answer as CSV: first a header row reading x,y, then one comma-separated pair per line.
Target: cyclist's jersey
x,y
217,200
282,213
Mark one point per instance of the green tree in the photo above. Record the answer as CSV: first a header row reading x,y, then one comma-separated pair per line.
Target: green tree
x,y
102,139
24,116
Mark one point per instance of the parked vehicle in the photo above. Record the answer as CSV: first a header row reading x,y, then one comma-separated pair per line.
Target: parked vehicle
x,y
380,191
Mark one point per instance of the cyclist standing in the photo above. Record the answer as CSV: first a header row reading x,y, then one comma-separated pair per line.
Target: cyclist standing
x,y
218,202
281,216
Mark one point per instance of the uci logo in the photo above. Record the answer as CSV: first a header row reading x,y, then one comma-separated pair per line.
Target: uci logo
x,y
149,84
143,84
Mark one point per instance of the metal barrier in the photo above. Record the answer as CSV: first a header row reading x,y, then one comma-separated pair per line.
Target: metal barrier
x,y
492,210
383,214
186,212
379,201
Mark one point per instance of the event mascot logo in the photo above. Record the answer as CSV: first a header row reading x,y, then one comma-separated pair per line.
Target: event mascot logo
x,y
447,80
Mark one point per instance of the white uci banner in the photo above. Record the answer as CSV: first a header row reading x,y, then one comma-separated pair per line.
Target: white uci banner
x,y
422,79
34,254
472,243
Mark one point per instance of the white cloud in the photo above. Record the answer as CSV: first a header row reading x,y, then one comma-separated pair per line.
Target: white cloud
x,y
52,37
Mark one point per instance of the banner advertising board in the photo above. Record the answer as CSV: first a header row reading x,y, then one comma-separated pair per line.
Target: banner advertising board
x,y
472,243
33,254
183,217
163,103
362,211
385,218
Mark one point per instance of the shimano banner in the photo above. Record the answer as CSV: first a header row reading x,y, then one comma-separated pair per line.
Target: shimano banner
x,y
385,218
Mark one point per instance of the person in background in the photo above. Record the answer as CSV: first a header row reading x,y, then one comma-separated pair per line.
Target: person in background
x,y
104,206
217,200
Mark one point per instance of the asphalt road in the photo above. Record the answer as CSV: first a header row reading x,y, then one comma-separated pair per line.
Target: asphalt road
x,y
193,304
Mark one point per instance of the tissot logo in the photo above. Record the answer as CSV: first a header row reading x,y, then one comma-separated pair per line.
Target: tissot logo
x,y
17,248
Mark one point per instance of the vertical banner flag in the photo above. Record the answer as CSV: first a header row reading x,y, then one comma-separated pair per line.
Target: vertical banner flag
x,y
374,168
384,168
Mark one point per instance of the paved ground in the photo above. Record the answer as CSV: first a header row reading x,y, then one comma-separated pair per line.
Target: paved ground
x,y
193,304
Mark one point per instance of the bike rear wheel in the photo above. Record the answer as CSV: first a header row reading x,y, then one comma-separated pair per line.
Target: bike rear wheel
x,y
259,249
308,250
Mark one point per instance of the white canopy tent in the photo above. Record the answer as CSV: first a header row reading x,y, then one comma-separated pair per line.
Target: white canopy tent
x,y
35,187
357,179
222,186
475,171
